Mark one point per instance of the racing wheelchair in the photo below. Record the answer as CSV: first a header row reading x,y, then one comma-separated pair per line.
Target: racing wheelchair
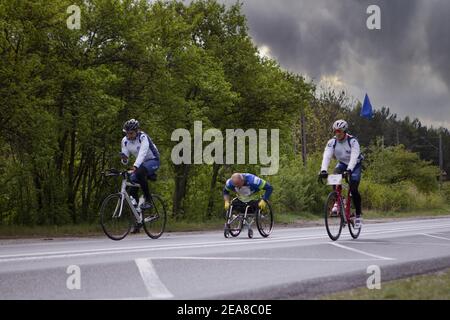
x,y
241,214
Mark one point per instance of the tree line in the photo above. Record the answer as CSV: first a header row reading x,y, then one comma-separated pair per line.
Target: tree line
x,y
64,95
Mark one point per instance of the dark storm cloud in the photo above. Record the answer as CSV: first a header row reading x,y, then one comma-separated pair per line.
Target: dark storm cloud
x,y
438,40
405,65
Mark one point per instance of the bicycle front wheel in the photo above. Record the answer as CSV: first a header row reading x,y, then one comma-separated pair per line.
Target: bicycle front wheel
x,y
116,222
334,219
155,218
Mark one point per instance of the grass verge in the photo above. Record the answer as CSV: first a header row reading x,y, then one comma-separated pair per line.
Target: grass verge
x,y
435,286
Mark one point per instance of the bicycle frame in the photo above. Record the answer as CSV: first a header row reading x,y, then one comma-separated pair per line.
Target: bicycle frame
x,y
125,196
244,218
347,206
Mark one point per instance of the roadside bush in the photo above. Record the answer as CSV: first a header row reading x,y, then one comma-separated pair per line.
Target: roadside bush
x,y
393,165
445,191
296,189
398,197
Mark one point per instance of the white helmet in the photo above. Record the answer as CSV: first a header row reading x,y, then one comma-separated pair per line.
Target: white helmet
x,y
340,125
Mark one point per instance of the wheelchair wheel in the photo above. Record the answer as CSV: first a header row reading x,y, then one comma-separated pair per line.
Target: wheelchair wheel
x,y
226,231
234,223
264,221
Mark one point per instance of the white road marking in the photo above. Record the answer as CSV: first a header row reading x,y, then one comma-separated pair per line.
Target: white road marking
x,y
229,242
262,259
155,288
438,244
178,235
361,252
410,228
433,236
83,253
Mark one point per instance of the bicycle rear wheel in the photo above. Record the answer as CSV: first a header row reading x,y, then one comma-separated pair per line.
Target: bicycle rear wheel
x,y
155,218
116,223
351,225
333,220
264,221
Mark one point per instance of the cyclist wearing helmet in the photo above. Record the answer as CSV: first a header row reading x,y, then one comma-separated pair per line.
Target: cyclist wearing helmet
x,y
247,187
139,144
345,148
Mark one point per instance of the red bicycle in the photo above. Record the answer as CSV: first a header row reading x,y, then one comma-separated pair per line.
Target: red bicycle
x,y
339,210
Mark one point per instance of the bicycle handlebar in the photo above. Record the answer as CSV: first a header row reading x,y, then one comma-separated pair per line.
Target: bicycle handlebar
x,y
320,179
115,173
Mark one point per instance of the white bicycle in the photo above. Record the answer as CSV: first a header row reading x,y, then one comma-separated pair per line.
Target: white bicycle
x,y
118,214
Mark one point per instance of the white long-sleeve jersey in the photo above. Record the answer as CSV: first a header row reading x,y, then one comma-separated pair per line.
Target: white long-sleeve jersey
x,y
142,148
346,151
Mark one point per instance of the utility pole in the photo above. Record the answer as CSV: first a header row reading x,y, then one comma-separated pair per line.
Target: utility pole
x,y
294,140
440,151
441,159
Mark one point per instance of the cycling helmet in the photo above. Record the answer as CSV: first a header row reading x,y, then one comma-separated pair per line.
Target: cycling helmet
x,y
130,125
340,125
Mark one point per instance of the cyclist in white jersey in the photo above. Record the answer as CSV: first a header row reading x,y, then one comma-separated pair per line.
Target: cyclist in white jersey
x,y
139,144
345,148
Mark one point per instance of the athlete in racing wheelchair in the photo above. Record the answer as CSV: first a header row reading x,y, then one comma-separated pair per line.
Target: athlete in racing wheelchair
x,y
247,206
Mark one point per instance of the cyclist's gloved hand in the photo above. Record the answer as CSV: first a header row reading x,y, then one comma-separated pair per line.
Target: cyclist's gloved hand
x,y
262,204
124,159
227,205
323,174
348,173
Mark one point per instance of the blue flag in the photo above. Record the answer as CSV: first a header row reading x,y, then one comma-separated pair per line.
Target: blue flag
x,y
366,111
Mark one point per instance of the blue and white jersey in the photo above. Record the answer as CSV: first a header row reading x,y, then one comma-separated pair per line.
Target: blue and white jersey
x,y
346,151
250,189
142,148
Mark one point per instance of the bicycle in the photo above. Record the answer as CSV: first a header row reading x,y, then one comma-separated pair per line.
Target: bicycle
x,y
237,220
337,219
117,219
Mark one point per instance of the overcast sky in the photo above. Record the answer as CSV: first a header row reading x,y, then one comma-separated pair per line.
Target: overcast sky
x,y
405,65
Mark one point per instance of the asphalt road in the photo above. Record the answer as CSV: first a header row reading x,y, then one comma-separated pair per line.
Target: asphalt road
x,y
291,263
